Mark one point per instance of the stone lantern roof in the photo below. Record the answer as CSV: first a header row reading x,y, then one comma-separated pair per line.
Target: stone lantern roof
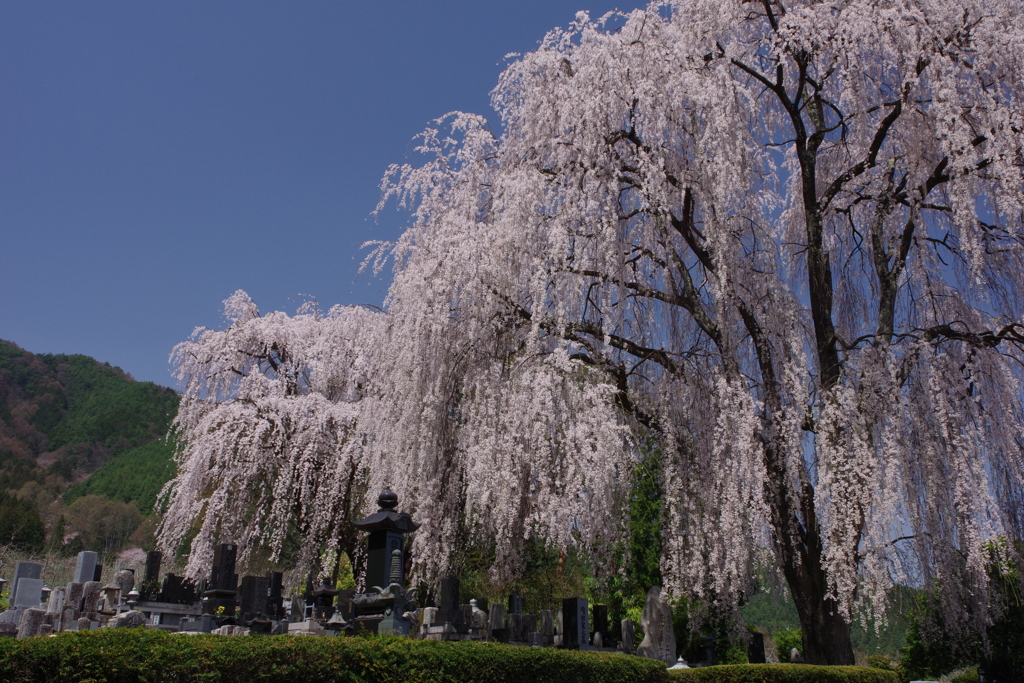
x,y
386,518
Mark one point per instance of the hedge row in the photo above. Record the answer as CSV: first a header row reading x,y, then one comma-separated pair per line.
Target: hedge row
x,y
783,673
137,655
144,655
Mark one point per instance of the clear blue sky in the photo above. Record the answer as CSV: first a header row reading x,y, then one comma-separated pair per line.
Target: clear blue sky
x,y
155,157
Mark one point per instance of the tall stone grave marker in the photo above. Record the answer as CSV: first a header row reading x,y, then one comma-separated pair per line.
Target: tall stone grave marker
x,y
85,567
576,624
659,637
153,560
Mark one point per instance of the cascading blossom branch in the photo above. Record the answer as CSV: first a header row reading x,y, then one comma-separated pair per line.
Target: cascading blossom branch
x,y
784,238
266,432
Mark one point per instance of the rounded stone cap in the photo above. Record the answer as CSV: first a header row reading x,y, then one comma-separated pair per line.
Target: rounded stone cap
x,y
388,500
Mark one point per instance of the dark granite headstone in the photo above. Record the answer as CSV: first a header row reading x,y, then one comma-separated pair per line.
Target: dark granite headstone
x,y
153,559
710,656
755,649
576,624
253,596
515,604
97,573
448,610
379,557
222,575
178,590
275,595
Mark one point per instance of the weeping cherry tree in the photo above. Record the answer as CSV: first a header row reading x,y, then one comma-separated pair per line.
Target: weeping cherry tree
x,y
784,239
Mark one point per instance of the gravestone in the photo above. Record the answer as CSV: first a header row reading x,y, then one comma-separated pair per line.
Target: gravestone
x,y
28,592
84,623
31,620
448,611
576,624
67,618
711,656
559,627
73,595
755,649
178,590
26,570
656,620
275,596
515,604
153,560
130,619
541,633
56,602
223,582
497,618
601,621
85,567
97,572
628,636
125,581
515,628
91,593
253,596
547,623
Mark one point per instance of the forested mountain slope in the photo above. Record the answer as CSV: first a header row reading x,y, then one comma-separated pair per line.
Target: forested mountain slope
x,y
72,426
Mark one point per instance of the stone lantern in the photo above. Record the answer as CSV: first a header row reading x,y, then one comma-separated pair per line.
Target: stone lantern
x,y
387,534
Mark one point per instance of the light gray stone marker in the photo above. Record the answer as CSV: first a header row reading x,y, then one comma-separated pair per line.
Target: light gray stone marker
x,y
659,638
73,595
25,570
628,636
91,596
31,620
56,602
29,593
85,566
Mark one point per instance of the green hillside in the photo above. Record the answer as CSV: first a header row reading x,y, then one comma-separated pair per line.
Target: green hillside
x,y
71,426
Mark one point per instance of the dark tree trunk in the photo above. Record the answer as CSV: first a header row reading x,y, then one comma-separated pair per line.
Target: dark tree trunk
x,y
826,635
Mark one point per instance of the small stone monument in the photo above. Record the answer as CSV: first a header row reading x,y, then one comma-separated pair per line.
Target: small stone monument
x,y
130,619
628,636
31,621
91,597
497,625
656,620
56,602
67,618
73,595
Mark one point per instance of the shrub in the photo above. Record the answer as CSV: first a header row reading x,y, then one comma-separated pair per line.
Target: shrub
x,y
785,641
144,655
783,673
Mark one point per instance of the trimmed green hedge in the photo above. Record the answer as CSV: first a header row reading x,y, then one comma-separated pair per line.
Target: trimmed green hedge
x,y
136,655
783,673
145,655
